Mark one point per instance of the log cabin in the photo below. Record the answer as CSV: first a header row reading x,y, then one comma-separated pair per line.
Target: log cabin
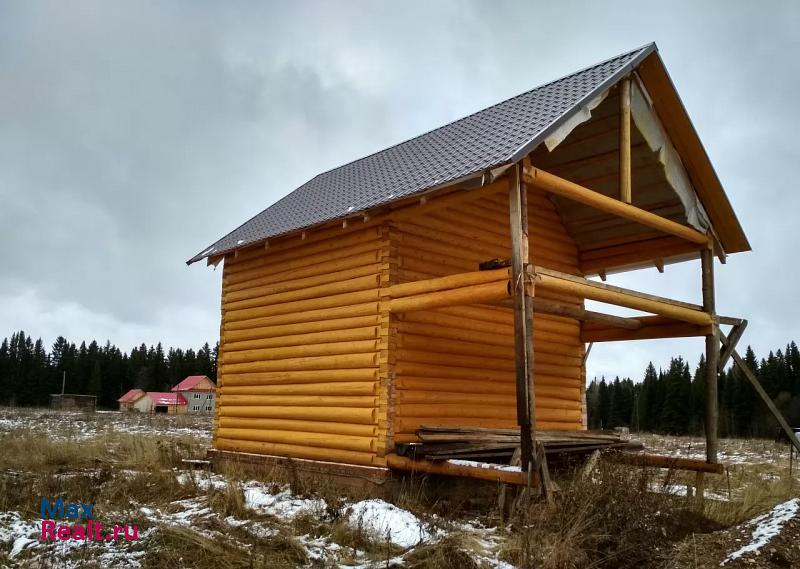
x,y
440,283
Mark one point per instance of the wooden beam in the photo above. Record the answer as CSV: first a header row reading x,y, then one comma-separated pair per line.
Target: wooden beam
x,y
539,270
659,263
751,377
473,294
733,339
446,468
448,282
558,309
578,286
523,319
625,141
646,331
569,311
570,190
712,357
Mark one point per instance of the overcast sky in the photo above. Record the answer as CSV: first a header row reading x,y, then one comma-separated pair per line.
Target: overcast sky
x,y
133,135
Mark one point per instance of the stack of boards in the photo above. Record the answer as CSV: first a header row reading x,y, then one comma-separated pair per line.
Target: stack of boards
x,y
442,443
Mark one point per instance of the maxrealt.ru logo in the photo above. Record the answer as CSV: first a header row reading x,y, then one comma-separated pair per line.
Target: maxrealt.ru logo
x,y
91,530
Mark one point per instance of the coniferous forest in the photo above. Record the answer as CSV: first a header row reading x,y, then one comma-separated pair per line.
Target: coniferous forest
x,y
30,372
672,400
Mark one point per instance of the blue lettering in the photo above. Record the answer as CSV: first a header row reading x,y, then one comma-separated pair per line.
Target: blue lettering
x,y
52,511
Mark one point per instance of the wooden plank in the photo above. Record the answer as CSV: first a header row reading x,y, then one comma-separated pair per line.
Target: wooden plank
x,y
712,357
565,188
625,141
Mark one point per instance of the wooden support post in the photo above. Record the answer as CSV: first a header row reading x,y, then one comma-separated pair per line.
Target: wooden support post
x,y
699,489
523,319
712,357
625,141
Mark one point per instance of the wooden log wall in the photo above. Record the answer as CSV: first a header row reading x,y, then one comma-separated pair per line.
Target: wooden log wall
x,y
301,351
455,365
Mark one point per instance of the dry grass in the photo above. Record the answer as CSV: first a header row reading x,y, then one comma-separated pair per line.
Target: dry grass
x,y
612,519
608,520
455,551
179,547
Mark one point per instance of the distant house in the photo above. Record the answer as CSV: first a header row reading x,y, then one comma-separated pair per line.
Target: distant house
x,y
72,401
132,400
166,402
199,391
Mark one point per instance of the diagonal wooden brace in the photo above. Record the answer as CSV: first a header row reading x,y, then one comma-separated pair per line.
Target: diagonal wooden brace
x,y
751,377
736,334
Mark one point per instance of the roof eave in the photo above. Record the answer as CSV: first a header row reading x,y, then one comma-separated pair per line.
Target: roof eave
x,y
675,119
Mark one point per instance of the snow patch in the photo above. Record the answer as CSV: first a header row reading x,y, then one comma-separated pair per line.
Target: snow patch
x,y
767,526
17,532
386,520
282,504
487,465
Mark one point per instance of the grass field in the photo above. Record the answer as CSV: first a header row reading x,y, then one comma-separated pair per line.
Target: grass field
x,y
130,467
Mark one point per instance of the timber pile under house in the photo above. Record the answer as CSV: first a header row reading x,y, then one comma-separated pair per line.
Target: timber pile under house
x,y
427,302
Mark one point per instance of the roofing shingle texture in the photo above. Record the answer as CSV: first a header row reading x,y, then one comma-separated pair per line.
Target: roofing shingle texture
x,y
495,136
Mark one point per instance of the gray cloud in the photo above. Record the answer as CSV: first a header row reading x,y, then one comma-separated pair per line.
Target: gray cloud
x,y
132,135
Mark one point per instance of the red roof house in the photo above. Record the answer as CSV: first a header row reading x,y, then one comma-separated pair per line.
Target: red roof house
x,y
199,390
131,396
128,401
195,383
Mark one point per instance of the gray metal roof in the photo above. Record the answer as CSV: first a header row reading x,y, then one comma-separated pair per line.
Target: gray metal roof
x,y
501,134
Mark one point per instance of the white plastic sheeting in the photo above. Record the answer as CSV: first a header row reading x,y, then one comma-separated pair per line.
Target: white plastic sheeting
x,y
646,120
583,114
650,127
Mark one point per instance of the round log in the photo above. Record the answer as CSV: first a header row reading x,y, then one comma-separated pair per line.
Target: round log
x,y
321,440
299,377
343,361
345,335
301,351
296,451
346,388
363,416
362,309
303,426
